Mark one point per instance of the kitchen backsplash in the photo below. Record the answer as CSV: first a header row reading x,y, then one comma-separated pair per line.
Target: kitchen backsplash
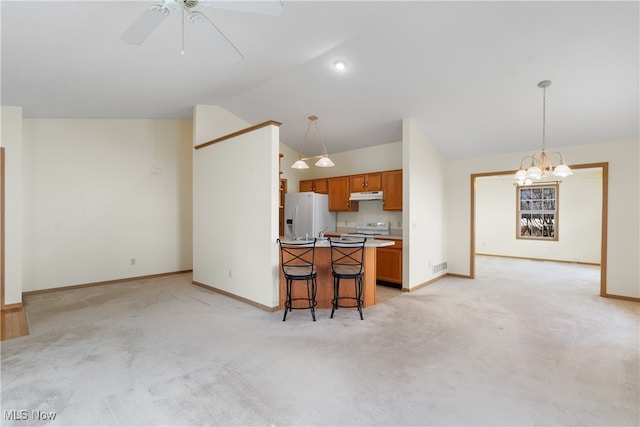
x,y
370,210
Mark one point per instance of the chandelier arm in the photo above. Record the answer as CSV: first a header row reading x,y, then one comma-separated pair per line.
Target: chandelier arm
x,y
522,162
558,153
535,160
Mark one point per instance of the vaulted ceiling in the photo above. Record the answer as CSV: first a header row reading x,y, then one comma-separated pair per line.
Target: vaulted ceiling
x,y
467,72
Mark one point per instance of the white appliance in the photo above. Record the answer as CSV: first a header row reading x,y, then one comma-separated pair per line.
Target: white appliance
x,y
366,195
369,229
307,215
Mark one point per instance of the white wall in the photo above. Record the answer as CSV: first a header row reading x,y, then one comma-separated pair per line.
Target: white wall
x,y
370,210
212,121
623,250
11,139
236,201
98,193
424,242
579,219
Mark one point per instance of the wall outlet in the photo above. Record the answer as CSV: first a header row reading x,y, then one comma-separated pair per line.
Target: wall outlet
x,y
133,261
230,273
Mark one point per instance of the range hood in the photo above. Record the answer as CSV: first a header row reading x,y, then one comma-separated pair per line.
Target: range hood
x,y
366,195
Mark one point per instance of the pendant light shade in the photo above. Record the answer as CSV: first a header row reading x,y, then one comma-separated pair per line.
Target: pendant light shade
x,y
300,164
324,162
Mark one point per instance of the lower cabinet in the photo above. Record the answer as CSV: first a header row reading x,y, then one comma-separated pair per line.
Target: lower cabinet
x,y
389,264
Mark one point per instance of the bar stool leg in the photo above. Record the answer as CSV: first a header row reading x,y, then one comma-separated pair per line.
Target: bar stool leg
x,y
336,292
287,300
315,293
358,281
312,297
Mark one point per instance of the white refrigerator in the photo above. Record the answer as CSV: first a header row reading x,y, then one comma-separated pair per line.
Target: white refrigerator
x,y
307,214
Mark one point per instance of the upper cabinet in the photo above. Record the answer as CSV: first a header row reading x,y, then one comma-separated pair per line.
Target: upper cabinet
x,y
339,192
366,182
339,189
317,185
392,190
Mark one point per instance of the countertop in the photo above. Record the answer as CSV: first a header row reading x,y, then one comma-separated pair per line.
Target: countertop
x,y
396,234
324,243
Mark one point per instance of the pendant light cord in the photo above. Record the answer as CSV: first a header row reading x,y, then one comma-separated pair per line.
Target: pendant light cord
x,y
324,149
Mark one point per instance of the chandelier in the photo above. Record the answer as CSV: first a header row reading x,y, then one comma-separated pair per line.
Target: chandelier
x,y
542,162
323,160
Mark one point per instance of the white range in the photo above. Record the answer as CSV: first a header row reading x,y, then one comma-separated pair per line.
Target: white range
x,y
369,230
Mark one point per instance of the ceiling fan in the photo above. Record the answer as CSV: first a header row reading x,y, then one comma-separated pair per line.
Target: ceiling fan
x,y
151,18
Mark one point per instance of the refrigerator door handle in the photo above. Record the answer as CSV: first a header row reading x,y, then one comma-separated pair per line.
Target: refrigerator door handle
x,y
295,220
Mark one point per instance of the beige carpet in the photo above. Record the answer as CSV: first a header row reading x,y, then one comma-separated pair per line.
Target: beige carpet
x,y
527,343
385,293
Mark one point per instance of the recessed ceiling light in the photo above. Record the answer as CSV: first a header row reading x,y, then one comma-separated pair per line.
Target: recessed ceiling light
x,y
340,65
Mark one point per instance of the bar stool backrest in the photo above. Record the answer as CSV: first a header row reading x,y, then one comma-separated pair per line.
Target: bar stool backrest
x,y
297,257
347,257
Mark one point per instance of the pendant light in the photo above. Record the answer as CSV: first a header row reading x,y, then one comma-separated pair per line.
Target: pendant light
x,y
542,162
323,160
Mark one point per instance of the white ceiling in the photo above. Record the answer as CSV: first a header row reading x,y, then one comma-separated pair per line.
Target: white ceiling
x,y
467,72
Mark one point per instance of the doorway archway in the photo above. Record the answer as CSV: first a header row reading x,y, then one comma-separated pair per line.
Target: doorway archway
x,y
604,167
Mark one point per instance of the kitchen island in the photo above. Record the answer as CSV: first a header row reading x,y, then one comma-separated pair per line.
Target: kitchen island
x,y
325,280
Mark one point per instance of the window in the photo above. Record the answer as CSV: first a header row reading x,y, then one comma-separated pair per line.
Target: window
x,y
537,212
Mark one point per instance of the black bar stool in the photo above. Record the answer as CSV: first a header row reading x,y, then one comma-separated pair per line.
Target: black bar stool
x,y
297,260
347,257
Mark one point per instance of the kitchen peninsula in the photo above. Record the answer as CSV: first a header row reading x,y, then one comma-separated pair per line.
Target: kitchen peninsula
x,y
325,280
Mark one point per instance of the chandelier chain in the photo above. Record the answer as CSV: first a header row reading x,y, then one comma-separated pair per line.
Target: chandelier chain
x,y
544,117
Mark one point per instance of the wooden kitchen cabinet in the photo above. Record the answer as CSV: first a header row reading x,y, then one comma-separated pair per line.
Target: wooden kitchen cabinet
x,y
340,188
339,192
316,185
366,182
392,190
389,264
283,191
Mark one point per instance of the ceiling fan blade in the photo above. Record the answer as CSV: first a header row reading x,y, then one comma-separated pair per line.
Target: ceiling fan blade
x,y
144,25
262,7
201,21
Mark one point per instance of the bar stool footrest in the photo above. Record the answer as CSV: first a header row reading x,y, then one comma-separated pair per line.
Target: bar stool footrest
x,y
305,307
336,302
